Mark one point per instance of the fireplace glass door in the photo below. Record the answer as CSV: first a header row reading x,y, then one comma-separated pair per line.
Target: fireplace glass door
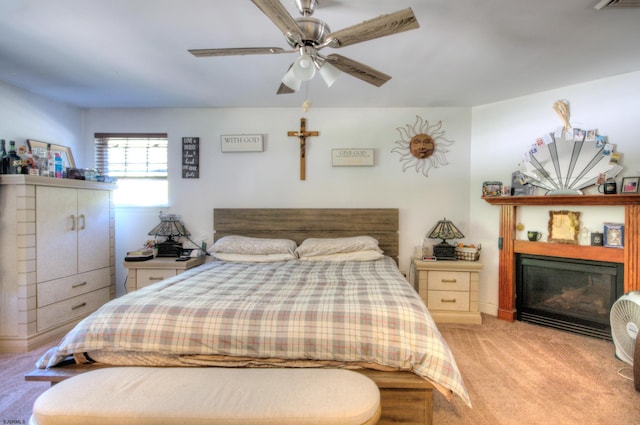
x,y
568,294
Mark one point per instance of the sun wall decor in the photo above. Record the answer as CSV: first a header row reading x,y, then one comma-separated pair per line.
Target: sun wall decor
x,y
422,146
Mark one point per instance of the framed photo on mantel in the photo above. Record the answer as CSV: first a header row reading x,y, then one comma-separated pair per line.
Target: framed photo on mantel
x,y
614,235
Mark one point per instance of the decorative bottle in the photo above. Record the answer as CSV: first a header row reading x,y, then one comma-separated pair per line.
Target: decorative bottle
x,y
14,162
3,153
58,165
50,163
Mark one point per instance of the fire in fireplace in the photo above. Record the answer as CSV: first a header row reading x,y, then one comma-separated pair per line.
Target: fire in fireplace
x,y
568,294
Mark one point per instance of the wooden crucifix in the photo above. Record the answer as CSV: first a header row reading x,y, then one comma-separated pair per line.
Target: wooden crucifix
x,y
302,135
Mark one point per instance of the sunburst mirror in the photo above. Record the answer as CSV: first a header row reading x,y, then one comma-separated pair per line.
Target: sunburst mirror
x,y
566,164
570,159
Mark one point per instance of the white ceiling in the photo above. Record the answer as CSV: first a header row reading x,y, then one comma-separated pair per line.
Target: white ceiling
x,y
133,53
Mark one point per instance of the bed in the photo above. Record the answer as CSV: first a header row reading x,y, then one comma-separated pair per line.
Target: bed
x,y
362,315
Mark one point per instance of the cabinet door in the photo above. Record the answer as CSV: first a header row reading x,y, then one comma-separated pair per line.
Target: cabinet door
x,y
93,229
56,240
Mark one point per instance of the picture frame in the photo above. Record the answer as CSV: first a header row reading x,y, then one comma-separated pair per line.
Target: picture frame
x,y
613,235
492,188
564,227
630,184
596,239
65,151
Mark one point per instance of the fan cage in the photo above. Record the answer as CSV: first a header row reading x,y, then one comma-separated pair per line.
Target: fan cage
x,y
625,323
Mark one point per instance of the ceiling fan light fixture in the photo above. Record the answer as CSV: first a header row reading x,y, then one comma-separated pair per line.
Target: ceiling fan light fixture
x,y
303,67
329,73
290,80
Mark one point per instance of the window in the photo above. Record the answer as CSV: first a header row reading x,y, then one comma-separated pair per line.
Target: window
x,y
139,162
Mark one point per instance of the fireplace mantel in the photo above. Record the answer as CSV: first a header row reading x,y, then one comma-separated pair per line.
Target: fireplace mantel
x,y
629,255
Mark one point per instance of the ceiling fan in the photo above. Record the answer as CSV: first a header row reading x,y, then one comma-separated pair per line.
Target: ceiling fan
x,y
307,36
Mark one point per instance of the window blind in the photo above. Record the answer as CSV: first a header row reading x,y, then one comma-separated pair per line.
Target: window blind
x,y
132,155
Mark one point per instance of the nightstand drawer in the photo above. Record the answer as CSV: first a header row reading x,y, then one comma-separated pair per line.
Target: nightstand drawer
x,y
448,280
448,300
148,276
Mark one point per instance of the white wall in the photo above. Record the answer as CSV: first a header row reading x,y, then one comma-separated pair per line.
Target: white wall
x,y
271,178
24,115
502,132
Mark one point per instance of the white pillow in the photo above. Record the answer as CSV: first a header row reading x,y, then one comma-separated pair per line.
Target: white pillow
x,y
235,244
367,255
263,258
326,246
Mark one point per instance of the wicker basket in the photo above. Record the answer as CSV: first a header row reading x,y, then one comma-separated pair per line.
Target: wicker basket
x,y
468,254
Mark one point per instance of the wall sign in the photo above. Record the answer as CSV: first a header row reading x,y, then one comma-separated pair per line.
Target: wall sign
x,y
190,157
241,143
352,157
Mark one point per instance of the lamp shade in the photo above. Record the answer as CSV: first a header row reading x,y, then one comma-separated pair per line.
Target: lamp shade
x,y
303,67
170,226
329,73
445,229
290,80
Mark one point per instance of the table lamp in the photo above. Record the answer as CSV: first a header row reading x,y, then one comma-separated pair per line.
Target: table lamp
x,y
170,226
445,229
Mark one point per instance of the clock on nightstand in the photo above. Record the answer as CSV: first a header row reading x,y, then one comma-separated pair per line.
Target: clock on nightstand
x,y
449,289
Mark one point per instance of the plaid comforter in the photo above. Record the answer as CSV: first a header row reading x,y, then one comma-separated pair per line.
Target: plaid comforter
x,y
295,310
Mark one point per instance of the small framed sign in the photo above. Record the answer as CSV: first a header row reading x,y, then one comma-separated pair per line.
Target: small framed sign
x,y
352,157
241,143
190,157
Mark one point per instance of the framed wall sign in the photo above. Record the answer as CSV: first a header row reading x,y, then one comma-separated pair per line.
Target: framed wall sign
x,y
241,143
190,157
352,157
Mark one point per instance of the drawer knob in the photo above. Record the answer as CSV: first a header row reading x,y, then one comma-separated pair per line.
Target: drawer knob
x,y
77,285
75,307
155,278
448,280
448,300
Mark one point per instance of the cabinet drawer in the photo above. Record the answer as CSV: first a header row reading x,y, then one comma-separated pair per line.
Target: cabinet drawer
x,y
57,290
448,300
146,277
72,308
448,280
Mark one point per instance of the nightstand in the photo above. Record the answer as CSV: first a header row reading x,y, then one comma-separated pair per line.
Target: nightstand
x,y
449,289
143,273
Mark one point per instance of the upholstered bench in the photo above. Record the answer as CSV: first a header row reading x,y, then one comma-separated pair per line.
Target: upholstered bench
x,y
158,396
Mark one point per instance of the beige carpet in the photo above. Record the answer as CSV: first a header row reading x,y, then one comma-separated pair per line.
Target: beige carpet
x,y
516,373
519,373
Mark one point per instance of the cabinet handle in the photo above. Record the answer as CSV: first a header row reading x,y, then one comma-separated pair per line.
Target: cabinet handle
x,y
75,307
84,221
155,278
450,300
448,280
73,222
77,285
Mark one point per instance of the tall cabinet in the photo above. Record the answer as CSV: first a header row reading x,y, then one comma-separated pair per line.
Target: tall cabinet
x,y
57,261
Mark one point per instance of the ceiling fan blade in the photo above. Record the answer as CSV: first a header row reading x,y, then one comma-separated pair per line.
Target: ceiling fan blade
x,y
280,17
381,26
285,89
236,51
358,70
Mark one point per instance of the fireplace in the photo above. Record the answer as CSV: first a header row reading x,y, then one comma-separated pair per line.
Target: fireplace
x,y
568,294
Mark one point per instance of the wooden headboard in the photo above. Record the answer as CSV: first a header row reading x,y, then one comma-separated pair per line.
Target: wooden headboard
x,y
301,223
